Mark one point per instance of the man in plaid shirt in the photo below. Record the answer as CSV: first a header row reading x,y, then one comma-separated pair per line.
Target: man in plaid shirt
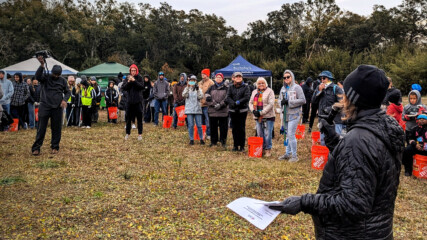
x,y
20,94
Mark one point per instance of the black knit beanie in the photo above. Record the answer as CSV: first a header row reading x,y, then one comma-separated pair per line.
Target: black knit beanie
x,y
394,97
366,87
57,70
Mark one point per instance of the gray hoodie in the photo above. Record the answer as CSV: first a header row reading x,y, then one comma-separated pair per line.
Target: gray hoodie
x,y
295,96
7,88
161,89
412,109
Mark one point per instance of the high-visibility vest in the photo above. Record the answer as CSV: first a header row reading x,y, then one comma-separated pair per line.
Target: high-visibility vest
x,y
87,100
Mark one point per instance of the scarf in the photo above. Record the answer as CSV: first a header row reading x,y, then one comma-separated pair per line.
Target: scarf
x,y
258,104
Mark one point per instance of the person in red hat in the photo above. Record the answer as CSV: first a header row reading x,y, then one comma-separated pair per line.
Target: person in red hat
x,y
205,84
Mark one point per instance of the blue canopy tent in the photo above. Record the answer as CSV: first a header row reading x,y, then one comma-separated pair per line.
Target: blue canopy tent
x,y
239,64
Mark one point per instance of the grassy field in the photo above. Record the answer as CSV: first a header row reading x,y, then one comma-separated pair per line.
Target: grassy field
x,y
101,187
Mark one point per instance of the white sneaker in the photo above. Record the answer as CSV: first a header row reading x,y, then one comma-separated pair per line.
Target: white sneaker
x,y
88,127
294,159
127,137
208,137
284,157
133,126
139,138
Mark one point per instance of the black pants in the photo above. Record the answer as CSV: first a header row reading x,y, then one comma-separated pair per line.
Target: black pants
x,y
408,155
305,112
222,123
55,115
132,111
19,112
87,116
313,114
95,114
239,128
75,114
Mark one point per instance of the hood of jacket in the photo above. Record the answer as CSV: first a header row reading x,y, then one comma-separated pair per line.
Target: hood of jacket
x,y
382,126
5,75
185,79
292,75
418,97
134,66
19,75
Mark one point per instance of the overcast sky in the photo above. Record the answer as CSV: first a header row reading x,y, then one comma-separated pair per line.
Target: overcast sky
x,y
238,13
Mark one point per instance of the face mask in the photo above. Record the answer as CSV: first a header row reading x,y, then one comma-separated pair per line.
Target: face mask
x,y
192,83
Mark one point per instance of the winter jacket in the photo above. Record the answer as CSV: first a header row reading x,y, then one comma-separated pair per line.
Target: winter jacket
x,y
410,111
357,192
36,93
239,93
218,95
134,89
205,85
32,94
111,97
326,98
396,112
268,103
161,89
72,98
391,91
192,100
21,92
53,90
308,92
295,97
178,89
98,96
147,88
7,87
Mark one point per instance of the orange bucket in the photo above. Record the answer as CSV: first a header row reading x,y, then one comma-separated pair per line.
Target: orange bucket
x,y
112,112
196,134
319,157
36,114
180,112
14,126
255,146
181,123
167,121
315,138
419,169
300,133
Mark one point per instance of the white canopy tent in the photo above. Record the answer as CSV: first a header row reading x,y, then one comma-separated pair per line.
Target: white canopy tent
x,y
30,66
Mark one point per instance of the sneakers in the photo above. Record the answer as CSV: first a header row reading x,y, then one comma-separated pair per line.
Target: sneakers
x,y
284,157
88,127
202,142
235,149
408,174
294,159
208,137
139,137
267,153
54,151
36,152
309,130
127,137
191,142
241,149
133,126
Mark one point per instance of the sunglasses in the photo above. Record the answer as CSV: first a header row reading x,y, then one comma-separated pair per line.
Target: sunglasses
x,y
323,78
286,77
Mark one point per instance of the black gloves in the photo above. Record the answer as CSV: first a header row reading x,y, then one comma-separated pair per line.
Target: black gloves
x,y
256,113
284,102
331,136
291,205
208,98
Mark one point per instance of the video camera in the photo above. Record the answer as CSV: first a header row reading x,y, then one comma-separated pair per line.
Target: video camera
x,y
44,53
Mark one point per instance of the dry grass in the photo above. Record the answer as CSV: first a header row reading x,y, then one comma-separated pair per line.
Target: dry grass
x,y
101,187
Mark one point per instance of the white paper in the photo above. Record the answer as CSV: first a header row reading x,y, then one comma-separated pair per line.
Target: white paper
x,y
254,211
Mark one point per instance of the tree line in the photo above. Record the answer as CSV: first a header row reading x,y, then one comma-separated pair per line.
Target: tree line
x,y
307,37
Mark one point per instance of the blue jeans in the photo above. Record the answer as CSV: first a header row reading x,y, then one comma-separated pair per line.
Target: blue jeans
x,y
31,115
291,128
264,129
6,108
157,104
338,129
191,119
206,117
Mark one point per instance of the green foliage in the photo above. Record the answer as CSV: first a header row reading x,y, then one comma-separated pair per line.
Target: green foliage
x,y
11,180
50,164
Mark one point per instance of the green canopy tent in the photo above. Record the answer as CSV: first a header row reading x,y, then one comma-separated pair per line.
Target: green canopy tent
x,y
103,72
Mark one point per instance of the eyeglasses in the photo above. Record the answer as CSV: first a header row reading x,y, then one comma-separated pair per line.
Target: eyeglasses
x,y
286,77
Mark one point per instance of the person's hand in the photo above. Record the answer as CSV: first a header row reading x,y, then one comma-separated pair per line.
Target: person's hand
x,y
291,205
419,148
237,102
256,113
217,106
321,86
63,104
284,102
326,128
41,60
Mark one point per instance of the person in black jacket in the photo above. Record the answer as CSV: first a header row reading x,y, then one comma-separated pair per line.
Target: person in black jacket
x,y
238,97
111,99
53,99
357,192
314,106
97,101
390,91
146,97
134,86
308,93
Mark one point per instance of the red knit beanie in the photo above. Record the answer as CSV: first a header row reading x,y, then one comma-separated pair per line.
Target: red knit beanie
x,y
206,71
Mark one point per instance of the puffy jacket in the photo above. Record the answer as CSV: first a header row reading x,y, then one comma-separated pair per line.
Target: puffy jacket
x,y
218,94
268,103
357,192
326,98
240,93
192,100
